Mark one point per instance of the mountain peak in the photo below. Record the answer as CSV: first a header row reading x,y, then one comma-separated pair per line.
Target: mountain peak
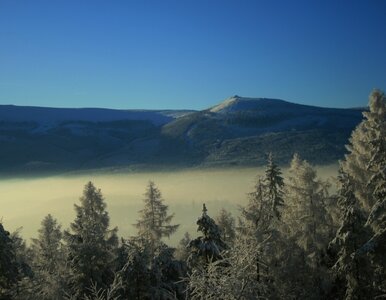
x,y
225,104
236,102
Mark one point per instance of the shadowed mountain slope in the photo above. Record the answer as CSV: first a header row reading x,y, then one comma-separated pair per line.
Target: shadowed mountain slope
x,y
238,131
243,130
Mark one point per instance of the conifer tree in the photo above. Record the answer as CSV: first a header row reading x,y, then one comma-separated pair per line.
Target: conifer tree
x,y
231,277
306,215
256,215
48,261
226,223
205,260
260,226
220,272
373,250
366,141
48,247
148,266
273,187
154,222
208,247
9,272
376,119
306,227
166,275
24,263
91,245
351,275
134,257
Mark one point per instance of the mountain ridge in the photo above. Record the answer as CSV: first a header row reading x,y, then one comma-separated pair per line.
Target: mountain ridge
x,y
237,131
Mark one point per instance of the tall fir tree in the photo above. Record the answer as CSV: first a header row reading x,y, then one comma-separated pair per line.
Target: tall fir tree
x,y
273,187
306,225
154,222
49,261
377,217
376,119
233,276
134,257
148,267
9,267
306,214
260,226
254,231
351,275
91,245
208,247
24,262
227,225
365,142
374,166
214,272
256,214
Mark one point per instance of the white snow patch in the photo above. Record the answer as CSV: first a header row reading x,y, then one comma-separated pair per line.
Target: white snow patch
x,y
224,106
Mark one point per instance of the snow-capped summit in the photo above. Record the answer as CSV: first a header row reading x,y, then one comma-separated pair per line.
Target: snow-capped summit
x,y
237,103
225,104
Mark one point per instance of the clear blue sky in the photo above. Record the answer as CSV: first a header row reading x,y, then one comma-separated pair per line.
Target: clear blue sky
x,y
190,54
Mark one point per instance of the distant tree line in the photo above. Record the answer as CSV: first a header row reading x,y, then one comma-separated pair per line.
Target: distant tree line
x,y
293,240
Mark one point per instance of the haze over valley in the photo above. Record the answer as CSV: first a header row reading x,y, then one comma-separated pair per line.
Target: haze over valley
x,y
25,202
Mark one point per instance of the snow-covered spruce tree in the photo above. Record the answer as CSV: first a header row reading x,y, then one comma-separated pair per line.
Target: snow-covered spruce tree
x,y
150,275
227,274
147,273
149,270
226,223
91,245
24,261
208,247
256,214
134,257
166,275
206,251
153,225
273,187
260,225
255,229
375,189
49,261
255,224
266,200
9,272
376,120
306,215
231,277
377,217
364,144
154,222
351,275
307,225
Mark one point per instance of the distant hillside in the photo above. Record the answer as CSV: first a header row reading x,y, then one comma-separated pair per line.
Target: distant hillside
x,y
243,130
55,116
238,131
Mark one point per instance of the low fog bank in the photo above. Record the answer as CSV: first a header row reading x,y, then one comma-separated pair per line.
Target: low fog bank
x,y
24,202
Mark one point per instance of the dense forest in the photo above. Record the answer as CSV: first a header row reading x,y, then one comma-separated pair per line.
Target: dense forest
x,y
293,240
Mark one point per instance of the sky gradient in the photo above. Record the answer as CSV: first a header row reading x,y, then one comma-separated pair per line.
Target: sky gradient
x,y
165,54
